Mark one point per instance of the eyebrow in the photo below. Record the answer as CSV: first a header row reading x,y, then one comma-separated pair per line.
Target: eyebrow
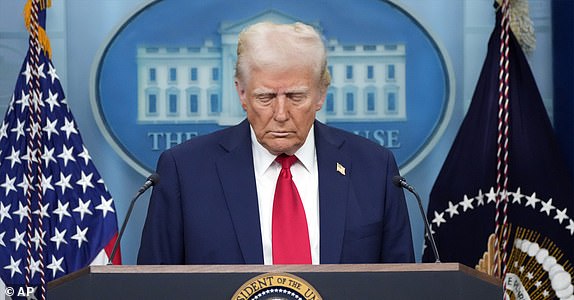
x,y
294,90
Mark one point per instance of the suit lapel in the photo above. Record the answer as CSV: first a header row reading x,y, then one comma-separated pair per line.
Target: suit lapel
x,y
333,191
241,192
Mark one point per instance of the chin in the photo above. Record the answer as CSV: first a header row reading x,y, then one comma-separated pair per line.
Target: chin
x,y
279,149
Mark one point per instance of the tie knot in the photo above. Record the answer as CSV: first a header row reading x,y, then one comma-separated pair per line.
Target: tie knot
x,y
286,161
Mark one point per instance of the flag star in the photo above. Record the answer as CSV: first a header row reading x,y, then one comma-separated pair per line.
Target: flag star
x,y
85,181
547,206
24,185
480,198
27,72
56,265
4,130
85,155
521,269
504,195
38,238
69,128
24,101
34,98
466,203
64,182
80,235
83,208
517,197
438,219
52,100
35,129
62,210
18,239
570,226
66,155
46,184
34,267
452,209
40,71
8,185
22,211
529,275
105,206
30,153
48,156
561,215
538,284
14,157
491,195
42,211
59,237
14,266
52,72
545,293
532,200
2,238
51,127
4,212
19,129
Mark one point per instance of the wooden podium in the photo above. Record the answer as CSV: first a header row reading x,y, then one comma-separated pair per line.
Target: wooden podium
x,y
332,282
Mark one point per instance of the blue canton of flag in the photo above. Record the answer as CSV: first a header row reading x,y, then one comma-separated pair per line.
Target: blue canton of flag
x,y
54,204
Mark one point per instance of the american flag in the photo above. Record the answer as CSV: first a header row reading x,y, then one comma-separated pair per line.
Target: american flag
x,y
56,214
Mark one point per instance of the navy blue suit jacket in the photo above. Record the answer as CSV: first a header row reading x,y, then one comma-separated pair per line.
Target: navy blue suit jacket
x,y
205,211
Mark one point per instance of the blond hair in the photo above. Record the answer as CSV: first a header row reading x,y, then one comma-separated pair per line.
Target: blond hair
x,y
268,44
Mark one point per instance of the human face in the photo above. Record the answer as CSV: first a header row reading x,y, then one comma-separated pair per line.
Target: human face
x,y
281,105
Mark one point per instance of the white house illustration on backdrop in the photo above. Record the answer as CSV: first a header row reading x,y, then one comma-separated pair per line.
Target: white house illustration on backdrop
x,y
194,84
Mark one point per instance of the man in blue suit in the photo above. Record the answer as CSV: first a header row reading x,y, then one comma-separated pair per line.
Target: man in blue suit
x,y
215,201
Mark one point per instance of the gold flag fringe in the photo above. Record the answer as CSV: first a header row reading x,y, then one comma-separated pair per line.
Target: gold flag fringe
x,y
43,39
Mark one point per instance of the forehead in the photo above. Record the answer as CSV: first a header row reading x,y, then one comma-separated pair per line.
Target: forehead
x,y
268,85
295,76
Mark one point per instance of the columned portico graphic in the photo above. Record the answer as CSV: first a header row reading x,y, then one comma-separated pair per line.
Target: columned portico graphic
x,y
195,84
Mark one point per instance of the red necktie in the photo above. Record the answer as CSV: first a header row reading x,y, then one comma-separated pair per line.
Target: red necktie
x,y
289,230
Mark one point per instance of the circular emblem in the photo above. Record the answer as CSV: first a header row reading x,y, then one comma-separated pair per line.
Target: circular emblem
x,y
158,84
276,286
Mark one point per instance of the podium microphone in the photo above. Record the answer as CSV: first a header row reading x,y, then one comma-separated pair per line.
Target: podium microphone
x,y
152,180
401,182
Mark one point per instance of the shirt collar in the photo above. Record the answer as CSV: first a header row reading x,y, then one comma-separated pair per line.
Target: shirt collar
x,y
262,159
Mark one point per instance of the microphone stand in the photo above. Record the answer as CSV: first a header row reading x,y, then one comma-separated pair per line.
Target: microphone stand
x,y
124,224
427,225
401,182
151,180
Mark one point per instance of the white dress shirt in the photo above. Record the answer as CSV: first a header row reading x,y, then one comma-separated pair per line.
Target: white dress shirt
x,y
306,178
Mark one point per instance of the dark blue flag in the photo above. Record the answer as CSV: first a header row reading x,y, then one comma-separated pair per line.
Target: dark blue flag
x,y
56,215
540,193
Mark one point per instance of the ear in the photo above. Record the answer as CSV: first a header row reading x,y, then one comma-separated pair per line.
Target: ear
x,y
241,93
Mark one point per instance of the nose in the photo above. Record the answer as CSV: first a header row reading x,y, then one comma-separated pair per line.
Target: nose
x,y
281,111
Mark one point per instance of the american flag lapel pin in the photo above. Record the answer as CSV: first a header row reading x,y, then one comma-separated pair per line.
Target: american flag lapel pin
x,y
341,169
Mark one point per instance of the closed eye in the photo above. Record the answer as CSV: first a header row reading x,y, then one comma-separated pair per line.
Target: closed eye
x,y
265,97
297,96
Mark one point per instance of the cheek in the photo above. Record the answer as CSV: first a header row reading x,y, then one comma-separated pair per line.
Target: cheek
x,y
259,116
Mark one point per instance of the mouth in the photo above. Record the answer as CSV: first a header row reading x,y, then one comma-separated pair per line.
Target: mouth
x,y
279,134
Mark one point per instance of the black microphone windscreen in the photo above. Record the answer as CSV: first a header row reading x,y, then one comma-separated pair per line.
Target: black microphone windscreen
x,y
154,178
397,180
